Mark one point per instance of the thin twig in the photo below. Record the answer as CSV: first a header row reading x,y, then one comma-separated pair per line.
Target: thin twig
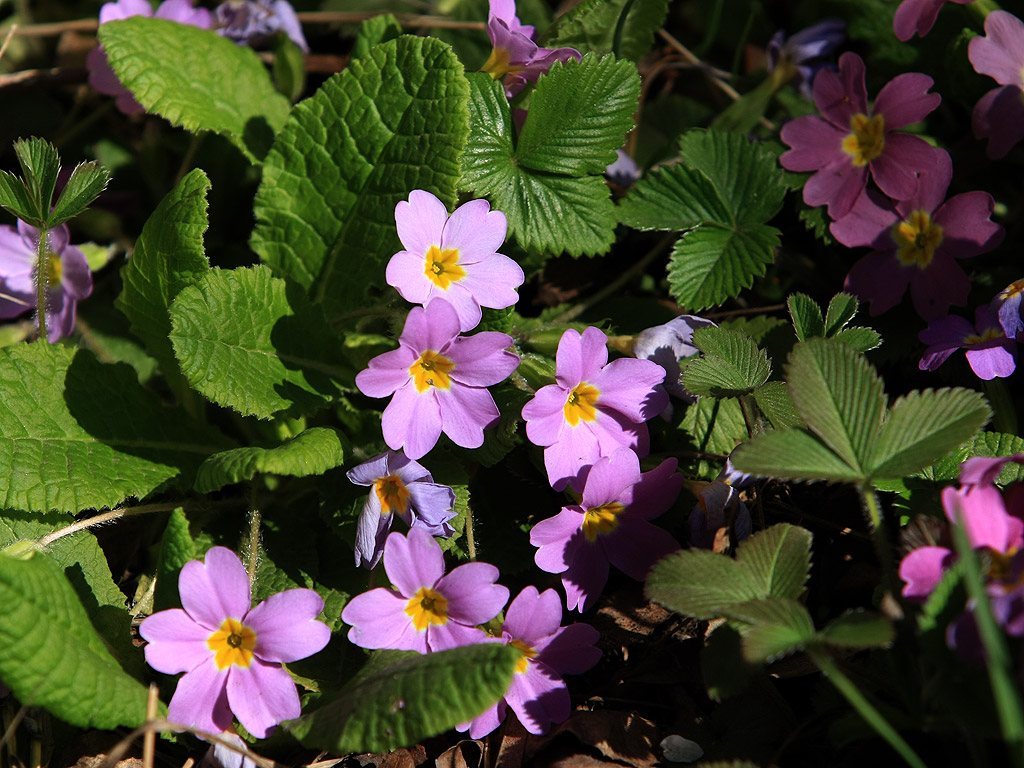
x,y
7,40
149,740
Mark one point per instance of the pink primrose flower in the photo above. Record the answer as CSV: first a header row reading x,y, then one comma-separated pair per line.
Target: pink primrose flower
x,y
102,77
232,654
916,242
999,53
426,610
68,279
849,140
453,257
610,524
989,352
515,56
537,693
918,16
399,486
594,408
438,379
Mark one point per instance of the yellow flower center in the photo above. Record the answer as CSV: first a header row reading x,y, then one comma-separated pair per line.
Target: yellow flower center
x,y
426,607
442,267
866,140
581,404
528,653
431,370
499,64
233,643
1013,289
917,237
393,495
987,335
602,520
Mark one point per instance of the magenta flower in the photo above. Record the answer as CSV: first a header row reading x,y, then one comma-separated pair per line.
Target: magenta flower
x,y
594,408
916,242
453,257
426,610
515,56
399,486
537,694
918,16
68,279
231,655
102,77
989,352
849,140
438,380
999,53
610,524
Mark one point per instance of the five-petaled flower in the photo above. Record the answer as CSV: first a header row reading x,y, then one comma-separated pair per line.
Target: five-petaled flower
x,y
593,408
403,487
453,257
438,379
427,610
515,56
999,53
537,694
232,654
849,140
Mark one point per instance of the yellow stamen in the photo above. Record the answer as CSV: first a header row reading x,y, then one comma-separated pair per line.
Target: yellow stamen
x,y
393,495
233,643
431,370
917,238
602,520
581,404
1013,289
499,64
426,607
528,653
442,267
866,140
988,335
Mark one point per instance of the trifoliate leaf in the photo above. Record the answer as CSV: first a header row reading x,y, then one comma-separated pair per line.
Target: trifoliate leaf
x,y
715,426
84,185
40,165
622,27
793,454
772,627
774,401
325,210
731,364
245,341
858,629
196,79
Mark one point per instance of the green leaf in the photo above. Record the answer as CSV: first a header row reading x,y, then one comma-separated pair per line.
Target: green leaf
x,y
15,198
775,627
714,425
545,212
312,452
623,27
40,165
774,401
859,629
214,84
412,699
859,339
806,315
76,434
792,454
579,115
176,548
325,209
169,256
245,341
743,114
841,310
921,427
50,655
84,185
289,67
373,32
731,366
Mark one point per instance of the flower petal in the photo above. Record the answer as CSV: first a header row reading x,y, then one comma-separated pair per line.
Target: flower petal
x,y
473,597
539,697
261,696
286,626
905,100
175,643
215,590
378,620
420,221
412,421
922,569
475,230
533,616
413,561
201,699
571,650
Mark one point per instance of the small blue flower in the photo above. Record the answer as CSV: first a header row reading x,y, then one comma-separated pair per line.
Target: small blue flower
x,y
250,22
805,52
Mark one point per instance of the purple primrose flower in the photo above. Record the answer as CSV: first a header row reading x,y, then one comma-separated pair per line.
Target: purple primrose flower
x,y
918,16
453,257
251,22
438,379
990,353
719,506
623,171
1007,305
514,55
68,279
805,53
426,610
594,408
849,140
669,343
610,524
916,242
999,53
537,694
399,486
232,654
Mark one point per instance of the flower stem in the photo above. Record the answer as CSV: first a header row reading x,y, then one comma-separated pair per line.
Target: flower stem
x,y
879,537
982,8
470,539
42,254
106,517
253,545
864,708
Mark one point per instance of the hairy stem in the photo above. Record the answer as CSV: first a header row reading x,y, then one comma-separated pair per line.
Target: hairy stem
x,y
106,517
42,257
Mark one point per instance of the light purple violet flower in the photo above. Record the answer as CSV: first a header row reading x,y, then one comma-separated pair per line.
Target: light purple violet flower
x,y
916,242
999,53
537,694
232,654
251,22
68,279
426,610
990,353
221,756
453,257
594,408
610,524
623,171
438,379
398,485
102,77
918,16
719,506
669,343
515,56
849,140
1007,305
805,53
